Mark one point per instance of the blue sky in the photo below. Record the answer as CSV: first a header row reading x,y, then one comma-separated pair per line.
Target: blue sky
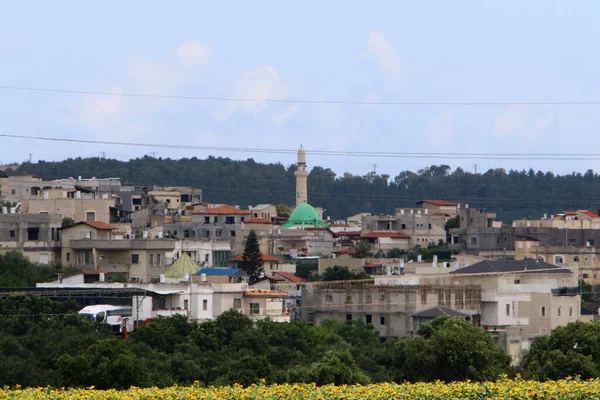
x,y
468,51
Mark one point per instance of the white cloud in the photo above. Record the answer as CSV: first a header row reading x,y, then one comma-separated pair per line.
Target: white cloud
x,y
282,117
441,130
517,121
258,84
193,53
389,60
120,115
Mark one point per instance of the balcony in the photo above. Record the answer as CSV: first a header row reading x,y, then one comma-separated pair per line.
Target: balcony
x,y
123,244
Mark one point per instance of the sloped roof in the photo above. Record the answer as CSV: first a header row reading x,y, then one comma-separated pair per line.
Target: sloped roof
x,y
386,234
304,215
222,210
589,214
371,265
347,233
261,207
439,311
219,271
184,265
291,277
439,202
528,266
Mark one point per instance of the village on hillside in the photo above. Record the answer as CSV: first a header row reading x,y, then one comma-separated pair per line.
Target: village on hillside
x,y
162,251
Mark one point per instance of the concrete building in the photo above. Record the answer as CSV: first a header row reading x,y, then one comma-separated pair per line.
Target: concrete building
x,y
222,222
480,234
580,219
448,208
264,211
206,252
301,178
80,209
37,236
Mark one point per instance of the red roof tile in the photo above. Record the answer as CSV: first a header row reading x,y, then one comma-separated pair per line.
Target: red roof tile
x,y
388,234
266,257
371,265
439,202
222,210
266,293
291,277
589,213
94,224
257,221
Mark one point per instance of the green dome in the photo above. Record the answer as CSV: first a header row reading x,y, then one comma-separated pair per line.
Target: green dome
x,y
304,215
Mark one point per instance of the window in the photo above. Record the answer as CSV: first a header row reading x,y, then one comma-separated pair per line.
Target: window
x,y
558,260
11,233
206,258
186,233
381,320
328,298
429,226
90,216
207,234
207,220
348,298
369,298
348,317
216,219
33,233
498,240
508,310
403,226
219,234
369,319
229,220
135,258
585,276
237,304
204,305
558,311
571,311
158,259
517,281
68,257
254,308
543,311
13,191
232,233
151,259
474,240
576,259
185,304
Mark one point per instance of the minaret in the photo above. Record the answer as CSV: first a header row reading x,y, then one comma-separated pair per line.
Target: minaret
x,y
301,177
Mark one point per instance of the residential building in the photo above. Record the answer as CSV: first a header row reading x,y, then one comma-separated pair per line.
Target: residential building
x,y
204,252
92,245
481,235
221,222
36,235
448,208
262,228
80,209
580,219
264,211
386,240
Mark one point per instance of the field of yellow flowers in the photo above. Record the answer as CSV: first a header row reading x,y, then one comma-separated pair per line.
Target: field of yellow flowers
x,y
504,389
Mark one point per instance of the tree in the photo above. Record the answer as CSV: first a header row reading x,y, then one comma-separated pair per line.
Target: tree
x,y
362,249
569,350
448,349
395,253
283,210
252,259
341,273
336,367
67,221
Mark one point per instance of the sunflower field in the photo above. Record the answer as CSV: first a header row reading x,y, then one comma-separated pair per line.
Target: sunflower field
x,y
503,389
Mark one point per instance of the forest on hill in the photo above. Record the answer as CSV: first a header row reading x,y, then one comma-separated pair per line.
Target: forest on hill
x,y
512,194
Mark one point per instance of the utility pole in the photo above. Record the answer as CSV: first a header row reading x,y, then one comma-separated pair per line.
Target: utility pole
x,y
30,157
103,154
153,154
475,165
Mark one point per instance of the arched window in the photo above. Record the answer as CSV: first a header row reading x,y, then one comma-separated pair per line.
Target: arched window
x,y
558,260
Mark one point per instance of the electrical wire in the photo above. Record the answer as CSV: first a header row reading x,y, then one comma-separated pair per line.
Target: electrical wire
x,y
461,156
304,101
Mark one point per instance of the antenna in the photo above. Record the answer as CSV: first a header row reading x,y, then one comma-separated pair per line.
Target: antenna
x,y
153,154
374,168
30,154
475,165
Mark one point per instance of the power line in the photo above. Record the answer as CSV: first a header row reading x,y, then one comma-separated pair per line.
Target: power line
x,y
462,156
306,101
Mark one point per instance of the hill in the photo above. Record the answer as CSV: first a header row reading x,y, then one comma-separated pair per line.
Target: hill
x,y
512,194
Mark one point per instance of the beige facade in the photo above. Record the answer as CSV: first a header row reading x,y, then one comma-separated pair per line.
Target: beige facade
x,y
78,209
439,206
581,219
420,225
264,211
36,236
261,227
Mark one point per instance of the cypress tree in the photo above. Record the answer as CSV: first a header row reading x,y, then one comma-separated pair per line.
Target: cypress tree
x,y
252,259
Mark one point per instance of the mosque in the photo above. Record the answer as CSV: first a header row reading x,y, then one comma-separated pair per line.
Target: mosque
x,y
304,215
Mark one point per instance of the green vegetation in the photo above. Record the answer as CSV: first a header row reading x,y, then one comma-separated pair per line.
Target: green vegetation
x,y
252,259
45,343
67,221
339,273
16,270
512,194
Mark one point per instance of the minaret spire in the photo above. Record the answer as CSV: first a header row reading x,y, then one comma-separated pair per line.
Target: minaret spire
x,y
301,178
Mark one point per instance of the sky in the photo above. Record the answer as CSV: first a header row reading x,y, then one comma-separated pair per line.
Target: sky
x,y
383,51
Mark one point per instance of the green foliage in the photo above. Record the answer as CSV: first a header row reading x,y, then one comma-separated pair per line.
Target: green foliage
x,y
570,350
396,253
67,221
283,210
363,249
448,349
336,367
252,260
341,273
106,364
16,270
306,268
116,277
453,223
